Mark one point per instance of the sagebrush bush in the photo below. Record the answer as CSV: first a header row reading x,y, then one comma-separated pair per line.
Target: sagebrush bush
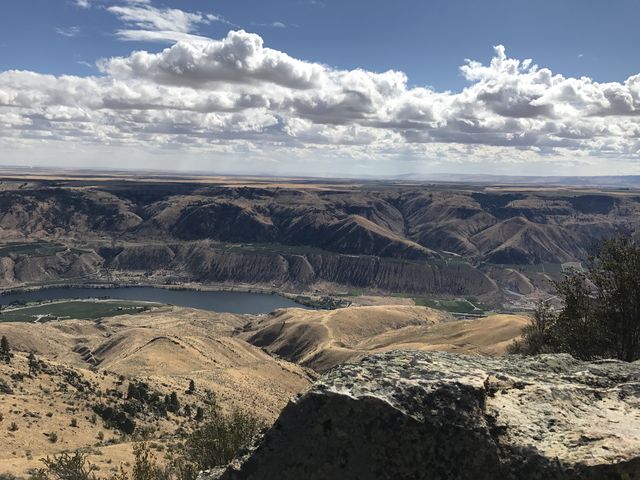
x,y
216,442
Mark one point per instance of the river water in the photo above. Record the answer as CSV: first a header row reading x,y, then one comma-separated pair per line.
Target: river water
x,y
233,302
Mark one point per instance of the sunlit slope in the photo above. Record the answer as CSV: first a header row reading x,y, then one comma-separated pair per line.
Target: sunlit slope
x,y
323,339
172,343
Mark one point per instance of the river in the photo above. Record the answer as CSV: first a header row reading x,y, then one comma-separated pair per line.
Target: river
x,y
233,302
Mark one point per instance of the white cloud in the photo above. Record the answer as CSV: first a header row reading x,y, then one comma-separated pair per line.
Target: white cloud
x,y
237,97
239,58
68,31
161,36
271,24
82,3
151,24
146,17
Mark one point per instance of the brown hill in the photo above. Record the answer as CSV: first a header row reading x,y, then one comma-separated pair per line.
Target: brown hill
x,y
383,237
87,363
169,342
164,348
324,339
375,219
52,411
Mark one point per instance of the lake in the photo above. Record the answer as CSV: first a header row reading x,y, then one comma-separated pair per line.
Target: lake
x,y
233,302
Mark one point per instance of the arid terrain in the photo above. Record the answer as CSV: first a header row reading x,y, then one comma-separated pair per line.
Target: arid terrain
x,y
395,264
499,245
323,339
89,363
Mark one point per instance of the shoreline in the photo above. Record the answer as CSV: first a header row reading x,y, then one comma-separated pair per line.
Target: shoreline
x,y
196,287
301,300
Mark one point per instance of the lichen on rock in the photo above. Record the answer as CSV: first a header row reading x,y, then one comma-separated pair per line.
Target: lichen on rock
x,y
441,416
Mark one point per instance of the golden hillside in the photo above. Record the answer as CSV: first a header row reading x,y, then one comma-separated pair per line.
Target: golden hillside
x,y
322,339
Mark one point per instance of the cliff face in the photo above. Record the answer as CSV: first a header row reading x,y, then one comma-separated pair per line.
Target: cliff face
x,y
424,415
208,262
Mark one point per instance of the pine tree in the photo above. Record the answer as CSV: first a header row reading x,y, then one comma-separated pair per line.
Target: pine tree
x,y
34,365
199,414
132,392
174,402
192,387
5,350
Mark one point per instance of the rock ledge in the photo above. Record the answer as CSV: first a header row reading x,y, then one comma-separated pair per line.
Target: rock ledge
x,y
431,415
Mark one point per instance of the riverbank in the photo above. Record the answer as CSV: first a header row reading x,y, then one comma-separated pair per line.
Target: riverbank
x,y
327,302
202,299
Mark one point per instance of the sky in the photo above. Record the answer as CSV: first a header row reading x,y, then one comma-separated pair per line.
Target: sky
x,y
322,87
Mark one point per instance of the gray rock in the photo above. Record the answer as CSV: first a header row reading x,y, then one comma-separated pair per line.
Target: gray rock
x,y
439,416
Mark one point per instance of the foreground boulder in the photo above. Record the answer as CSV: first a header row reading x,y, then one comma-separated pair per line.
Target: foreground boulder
x,y
439,416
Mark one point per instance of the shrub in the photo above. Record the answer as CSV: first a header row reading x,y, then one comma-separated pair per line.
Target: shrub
x,y
146,466
192,387
66,466
600,314
217,441
34,364
537,335
5,350
71,466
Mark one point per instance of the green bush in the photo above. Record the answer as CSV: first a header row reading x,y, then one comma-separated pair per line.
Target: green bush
x,y
537,335
600,313
217,441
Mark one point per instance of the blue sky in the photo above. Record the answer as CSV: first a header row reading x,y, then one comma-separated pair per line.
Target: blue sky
x,y
428,40
339,111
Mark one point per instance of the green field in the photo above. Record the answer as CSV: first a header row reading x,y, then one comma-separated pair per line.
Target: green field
x,y
30,248
452,306
551,268
36,249
275,248
84,310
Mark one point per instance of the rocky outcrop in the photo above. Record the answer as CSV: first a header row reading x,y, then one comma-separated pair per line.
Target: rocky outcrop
x,y
439,416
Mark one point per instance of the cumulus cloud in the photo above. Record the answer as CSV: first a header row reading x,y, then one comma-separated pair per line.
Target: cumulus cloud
x,y
219,95
239,58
